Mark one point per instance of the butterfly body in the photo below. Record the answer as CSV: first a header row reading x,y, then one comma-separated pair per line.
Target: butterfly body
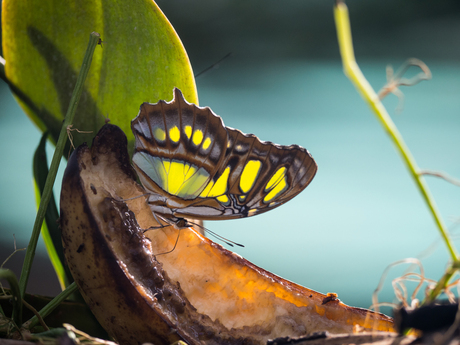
x,y
195,167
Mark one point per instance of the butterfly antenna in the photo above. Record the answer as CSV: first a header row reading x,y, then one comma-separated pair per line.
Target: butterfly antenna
x,y
219,237
214,65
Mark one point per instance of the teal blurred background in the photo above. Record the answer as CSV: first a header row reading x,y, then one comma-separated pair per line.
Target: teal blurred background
x,y
284,83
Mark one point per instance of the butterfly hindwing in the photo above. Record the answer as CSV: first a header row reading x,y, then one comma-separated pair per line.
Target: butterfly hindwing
x,y
262,175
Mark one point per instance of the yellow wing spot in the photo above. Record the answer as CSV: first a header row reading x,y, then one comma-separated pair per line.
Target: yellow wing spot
x,y
174,134
159,170
241,198
205,192
166,166
223,199
163,169
207,143
277,189
220,186
194,181
175,177
249,175
159,134
251,212
177,182
280,173
189,170
197,137
188,131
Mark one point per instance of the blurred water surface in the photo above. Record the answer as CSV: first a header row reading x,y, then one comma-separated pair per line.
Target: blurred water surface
x,y
360,213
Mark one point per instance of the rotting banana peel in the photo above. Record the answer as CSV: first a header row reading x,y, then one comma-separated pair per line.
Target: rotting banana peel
x,y
199,292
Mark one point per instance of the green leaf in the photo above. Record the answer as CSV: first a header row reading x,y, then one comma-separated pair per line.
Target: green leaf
x,y
142,60
50,229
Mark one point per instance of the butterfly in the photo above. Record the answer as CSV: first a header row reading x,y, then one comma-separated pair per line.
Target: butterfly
x,y
195,167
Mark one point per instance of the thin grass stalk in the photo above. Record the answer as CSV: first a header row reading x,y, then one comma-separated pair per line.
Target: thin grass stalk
x,y
30,253
353,72
53,304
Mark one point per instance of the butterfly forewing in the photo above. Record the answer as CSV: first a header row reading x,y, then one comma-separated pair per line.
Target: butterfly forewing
x,y
196,167
178,147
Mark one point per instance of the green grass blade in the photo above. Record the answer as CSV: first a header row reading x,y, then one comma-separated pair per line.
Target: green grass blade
x,y
50,229
53,304
48,190
353,72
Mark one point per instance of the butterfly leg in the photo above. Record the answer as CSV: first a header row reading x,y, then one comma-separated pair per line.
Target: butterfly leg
x,y
163,223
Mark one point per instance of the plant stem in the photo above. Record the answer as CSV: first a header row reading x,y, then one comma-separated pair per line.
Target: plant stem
x,y
442,283
53,304
17,298
353,72
94,38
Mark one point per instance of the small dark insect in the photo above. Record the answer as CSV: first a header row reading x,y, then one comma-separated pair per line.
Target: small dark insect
x,y
80,248
93,189
331,296
428,318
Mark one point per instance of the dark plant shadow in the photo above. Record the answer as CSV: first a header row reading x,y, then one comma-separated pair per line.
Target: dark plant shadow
x,y
64,79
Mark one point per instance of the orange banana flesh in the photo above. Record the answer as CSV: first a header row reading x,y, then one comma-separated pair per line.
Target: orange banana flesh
x,y
199,292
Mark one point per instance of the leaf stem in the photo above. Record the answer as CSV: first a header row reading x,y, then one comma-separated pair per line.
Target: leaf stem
x,y
47,192
353,72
